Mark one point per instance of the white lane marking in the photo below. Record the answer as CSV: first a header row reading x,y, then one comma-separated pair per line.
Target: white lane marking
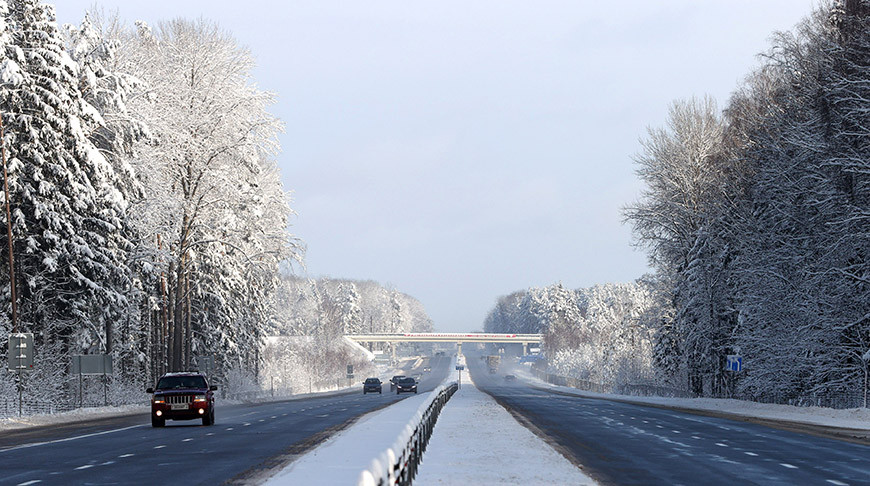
x,y
645,421
659,426
261,420
86,466
283,414
785,464
187,440
210,433
229,428
323,416
751,454
159,447
832,481
25,446
721,444
695,437
28,483
676,431
107,463
273,416
246,424
126,455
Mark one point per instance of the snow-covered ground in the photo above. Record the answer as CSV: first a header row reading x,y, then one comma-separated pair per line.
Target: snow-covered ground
x,y
853,418
342,457
76,415
476,441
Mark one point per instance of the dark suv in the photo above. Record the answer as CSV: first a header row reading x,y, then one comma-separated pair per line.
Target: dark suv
x,y
182,396
372,385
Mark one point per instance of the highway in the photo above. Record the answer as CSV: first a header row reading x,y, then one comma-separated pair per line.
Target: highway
x,y
625,444
248,441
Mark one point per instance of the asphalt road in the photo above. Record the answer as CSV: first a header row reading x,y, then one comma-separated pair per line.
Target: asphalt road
x,y
620,443
246,442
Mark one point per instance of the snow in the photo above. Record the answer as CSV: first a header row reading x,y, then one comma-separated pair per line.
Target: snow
x,y
854,418
477,441
341,458
77,415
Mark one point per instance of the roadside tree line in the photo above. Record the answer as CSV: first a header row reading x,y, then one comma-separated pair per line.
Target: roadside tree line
x,y
148,216
757,220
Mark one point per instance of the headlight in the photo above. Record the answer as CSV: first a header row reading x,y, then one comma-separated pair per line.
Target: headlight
x,y
199,398
158,400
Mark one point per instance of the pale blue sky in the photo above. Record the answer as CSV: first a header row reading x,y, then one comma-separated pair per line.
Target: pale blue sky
x,y
461,150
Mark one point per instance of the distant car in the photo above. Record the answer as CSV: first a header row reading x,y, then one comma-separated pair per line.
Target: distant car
x,y
395,380
372,385
510,378
182,396
406,385
427,369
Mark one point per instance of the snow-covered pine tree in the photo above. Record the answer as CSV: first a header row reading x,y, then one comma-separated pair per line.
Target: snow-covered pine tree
x,y
67,212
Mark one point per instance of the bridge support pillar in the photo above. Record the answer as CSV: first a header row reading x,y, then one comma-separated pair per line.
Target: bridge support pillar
x,y
525,349
393,351
459,349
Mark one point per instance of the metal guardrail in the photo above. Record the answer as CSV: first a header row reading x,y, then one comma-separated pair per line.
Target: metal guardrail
x,y
398,465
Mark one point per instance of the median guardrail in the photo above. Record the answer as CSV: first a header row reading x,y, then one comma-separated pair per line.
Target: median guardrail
x,y
398,465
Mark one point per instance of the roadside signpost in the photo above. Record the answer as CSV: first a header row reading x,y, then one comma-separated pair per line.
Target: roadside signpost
x,y
349,372
20,360
93,364
734,362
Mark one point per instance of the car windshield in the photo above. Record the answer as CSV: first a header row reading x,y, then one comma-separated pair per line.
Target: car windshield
x,y
175,382
407,381
372,381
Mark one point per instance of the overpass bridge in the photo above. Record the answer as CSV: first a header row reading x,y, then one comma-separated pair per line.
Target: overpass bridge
x,y
448,337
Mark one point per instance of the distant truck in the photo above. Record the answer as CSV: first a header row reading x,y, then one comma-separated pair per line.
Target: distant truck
x,y
492,362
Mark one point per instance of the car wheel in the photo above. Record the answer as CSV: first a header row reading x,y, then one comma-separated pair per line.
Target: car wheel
x,y
212,417
156,422
364,392
381,392
206,419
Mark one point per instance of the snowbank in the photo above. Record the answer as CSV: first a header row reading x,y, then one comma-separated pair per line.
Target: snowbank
x,y
77,415
340,458
476,441
853,418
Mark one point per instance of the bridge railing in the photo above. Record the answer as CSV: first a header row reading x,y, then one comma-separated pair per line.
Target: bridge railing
x,y
398,465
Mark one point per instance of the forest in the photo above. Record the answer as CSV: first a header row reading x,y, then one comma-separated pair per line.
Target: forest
x,y
756,219
148,217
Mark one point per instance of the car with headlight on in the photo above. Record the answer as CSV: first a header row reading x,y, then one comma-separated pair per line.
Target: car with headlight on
x,y
394,380
182,396
406,385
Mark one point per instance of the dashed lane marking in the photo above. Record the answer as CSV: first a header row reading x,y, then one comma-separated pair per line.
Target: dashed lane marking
x,y
35,444
721,444
751,454
246,424
790,466
187,439
159,447
274,416
86,466
832,481
107,463
229,428
126,455
28,483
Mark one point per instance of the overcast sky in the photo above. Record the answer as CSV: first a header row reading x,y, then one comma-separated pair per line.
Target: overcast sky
x,y
462,150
